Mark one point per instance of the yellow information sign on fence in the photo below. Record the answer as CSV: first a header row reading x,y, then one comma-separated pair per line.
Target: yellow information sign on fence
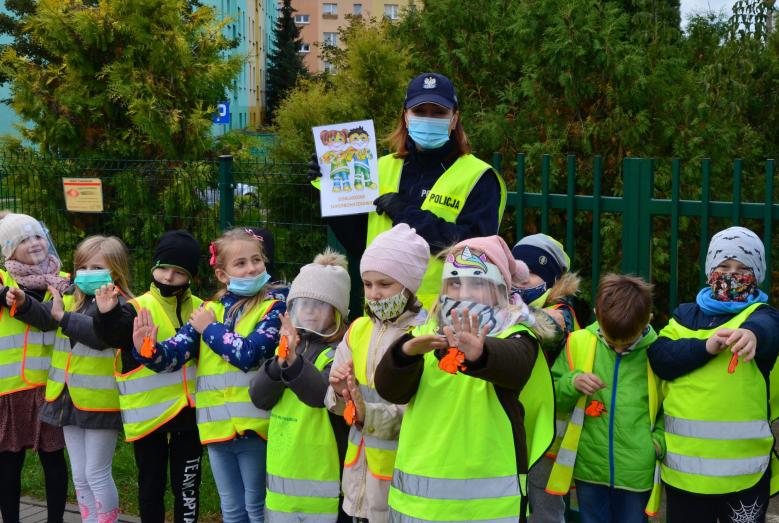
x,y
83,194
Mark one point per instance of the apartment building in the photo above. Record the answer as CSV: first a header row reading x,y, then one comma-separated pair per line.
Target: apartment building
x,y
319,21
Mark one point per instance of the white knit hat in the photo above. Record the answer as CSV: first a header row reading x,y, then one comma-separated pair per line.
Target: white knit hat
x,y
400,253
15,228
326,280
737,243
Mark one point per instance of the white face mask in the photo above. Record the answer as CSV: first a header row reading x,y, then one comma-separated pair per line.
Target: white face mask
x,y
388,308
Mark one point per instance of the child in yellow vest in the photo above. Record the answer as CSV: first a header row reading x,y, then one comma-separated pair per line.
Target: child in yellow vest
x,y
158,410
614,434
32,265
716,356
81,392
229,337
392,268
306,442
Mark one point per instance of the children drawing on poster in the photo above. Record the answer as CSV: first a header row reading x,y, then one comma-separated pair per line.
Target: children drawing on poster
x,y
337,158
360,153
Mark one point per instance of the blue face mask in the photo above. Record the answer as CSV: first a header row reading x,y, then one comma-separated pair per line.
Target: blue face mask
x,y
89,281
530,294
248,286
429,133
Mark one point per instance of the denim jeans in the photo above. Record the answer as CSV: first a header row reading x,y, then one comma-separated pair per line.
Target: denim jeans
x,y
238,466
602,504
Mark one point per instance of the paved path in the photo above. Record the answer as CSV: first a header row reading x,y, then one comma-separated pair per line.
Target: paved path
x,y
34,511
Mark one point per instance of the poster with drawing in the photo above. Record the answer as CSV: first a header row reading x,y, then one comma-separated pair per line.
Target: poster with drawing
x,y
347,159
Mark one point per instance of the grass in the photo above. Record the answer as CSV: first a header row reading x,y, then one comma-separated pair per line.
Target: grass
x,y
126,478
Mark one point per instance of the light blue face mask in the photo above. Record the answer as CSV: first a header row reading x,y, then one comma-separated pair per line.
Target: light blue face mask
x,y
429,133
89,281
248,286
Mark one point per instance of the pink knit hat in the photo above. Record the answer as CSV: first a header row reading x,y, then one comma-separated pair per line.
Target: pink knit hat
x,y
498,253
400,253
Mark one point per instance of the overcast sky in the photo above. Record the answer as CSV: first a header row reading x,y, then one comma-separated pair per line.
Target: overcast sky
x,y
692,6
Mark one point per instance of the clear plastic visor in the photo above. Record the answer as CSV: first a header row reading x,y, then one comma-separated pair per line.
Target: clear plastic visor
x,y
34,245
475,289
315,316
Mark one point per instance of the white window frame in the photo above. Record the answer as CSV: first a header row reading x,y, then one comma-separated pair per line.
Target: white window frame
x,y
329,9
333,41
302,19
357,9
304,48
393,13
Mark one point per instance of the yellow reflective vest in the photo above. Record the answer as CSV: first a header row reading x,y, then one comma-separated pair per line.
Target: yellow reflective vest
x,y
456,460
25,352
580,350
379,453
224,409
717,433
446,199
88,373
304,472
149,399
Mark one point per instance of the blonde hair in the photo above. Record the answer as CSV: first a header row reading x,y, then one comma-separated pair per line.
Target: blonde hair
x,y
219,248
116,259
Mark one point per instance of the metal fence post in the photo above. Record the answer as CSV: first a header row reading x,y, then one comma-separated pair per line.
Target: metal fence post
x,y
226,186
630,193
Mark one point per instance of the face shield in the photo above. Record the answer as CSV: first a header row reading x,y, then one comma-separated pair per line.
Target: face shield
x,y
28,241
314,316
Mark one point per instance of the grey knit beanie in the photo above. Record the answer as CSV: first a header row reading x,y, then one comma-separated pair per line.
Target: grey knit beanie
x,y
326,280
737,243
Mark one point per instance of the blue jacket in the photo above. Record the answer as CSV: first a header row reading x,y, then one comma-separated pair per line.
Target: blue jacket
x,y
673,358
420,171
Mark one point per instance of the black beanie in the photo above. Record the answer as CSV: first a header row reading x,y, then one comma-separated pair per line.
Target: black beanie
x,y
177,249
268,247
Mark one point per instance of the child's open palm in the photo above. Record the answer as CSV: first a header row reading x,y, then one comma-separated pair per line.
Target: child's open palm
x,y
466,335
57,305
106,298
144,329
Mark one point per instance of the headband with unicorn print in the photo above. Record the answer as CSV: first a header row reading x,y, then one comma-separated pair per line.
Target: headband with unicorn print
x,y
468,265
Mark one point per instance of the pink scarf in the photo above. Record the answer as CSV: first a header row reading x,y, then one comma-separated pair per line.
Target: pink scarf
x,y
38,277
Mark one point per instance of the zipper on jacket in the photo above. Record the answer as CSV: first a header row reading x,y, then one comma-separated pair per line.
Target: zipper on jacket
x,y
612,409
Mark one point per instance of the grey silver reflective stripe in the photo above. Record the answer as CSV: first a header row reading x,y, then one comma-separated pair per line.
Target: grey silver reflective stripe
x,y
15,369
399,517
722,430
11,370
151,412
57,375
14,341
37,363
566,457
455,489
229,411
155,381
303,487
48,337
88,352
559,427
370,395
216,382
86,381
298,517
330,354
658,474
371,442
577,417
62,344
716,467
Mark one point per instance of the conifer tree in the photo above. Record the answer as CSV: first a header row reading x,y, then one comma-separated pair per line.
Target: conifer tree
x,y
285,64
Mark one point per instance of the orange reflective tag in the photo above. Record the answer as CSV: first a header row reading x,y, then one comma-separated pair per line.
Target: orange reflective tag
x,y
13,310
147,349
350,412
731,366
283,348
453,361
595,409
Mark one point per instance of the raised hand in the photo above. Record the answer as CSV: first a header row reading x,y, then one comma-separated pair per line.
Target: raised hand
x,y
106,298
339,376
422,344
290,333
202,318
144,334
466,335
57,305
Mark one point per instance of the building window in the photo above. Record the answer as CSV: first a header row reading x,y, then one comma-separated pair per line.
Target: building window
x,y
329,10
391,11
331,39
329,68
357,9
302,19
304,48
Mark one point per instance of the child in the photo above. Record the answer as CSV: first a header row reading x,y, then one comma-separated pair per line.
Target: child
x,y
611,444
392,268
716,404
81,392
463,440
229,336
33,266
158,409
547,286
306,443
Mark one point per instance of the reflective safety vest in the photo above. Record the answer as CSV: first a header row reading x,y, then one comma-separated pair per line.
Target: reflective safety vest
x,y
89,373
149,399
25,352
224,408
717,434
304,472
379,453
457,460
446,200
581,355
